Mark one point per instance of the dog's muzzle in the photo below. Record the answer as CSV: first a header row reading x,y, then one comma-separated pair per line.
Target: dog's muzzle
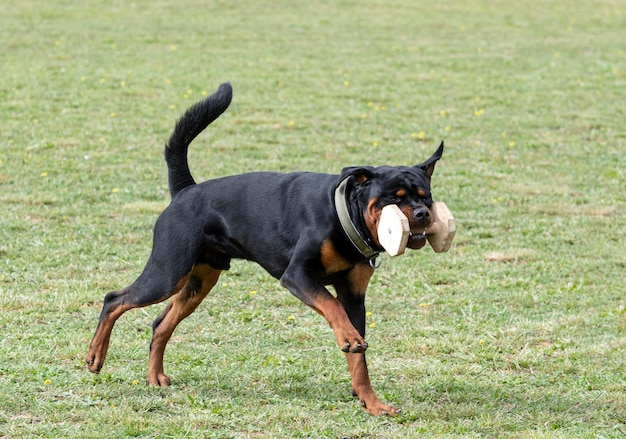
x,y
421,220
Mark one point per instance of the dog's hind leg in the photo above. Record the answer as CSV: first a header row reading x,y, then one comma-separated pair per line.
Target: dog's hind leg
x,y
198,284
148,289
166,272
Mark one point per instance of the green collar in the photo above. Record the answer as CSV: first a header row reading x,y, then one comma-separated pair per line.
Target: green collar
x,y
348,226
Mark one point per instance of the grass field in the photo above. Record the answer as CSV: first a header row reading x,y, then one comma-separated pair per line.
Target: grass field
x,y
519,331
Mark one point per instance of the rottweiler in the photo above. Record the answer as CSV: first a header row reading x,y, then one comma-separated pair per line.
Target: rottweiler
x,y
308,230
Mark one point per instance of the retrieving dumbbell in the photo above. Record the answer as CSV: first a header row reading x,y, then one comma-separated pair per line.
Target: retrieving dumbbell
x,y
393,229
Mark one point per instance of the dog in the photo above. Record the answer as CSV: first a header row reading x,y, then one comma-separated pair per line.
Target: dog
x,y
308,230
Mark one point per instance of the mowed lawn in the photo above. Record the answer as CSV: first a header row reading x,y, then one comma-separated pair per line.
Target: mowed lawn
x,y
519,331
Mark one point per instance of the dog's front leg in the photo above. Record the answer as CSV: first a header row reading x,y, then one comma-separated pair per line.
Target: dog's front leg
x,y
299,282
351,293
362,388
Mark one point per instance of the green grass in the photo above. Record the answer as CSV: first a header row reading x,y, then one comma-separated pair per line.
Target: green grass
x,y
519,331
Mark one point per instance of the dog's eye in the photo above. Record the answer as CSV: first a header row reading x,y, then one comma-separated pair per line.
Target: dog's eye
x,y
400,193
421,193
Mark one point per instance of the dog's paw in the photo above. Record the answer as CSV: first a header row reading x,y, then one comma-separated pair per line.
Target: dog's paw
x,y
159,380
93,365
355,347
377,408
351,342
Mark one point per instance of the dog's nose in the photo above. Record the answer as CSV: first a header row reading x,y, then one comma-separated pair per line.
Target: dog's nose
x,y
422,214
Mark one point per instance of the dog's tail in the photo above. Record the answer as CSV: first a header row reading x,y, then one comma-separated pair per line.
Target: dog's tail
x,y
193,122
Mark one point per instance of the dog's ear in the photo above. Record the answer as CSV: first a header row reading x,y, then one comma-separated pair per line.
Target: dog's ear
x,y
429,165
361,174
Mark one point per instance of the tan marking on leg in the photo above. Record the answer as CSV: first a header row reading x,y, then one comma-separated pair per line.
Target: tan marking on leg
x,y
363,388
100,343
348,338
200,281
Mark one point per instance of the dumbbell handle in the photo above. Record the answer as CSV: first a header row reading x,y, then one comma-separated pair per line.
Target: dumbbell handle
x,y
433,229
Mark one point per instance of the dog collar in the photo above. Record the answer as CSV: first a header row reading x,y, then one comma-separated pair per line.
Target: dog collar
x,y
341,206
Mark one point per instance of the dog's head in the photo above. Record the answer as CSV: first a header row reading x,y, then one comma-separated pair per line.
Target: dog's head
x,y
408,187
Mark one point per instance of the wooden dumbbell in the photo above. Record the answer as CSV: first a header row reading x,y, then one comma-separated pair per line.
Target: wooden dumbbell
x,y
393,229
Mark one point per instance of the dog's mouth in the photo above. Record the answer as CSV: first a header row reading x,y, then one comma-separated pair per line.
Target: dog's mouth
x,y
417,240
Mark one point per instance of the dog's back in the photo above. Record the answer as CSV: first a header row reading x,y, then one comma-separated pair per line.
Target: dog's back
x,y
248,216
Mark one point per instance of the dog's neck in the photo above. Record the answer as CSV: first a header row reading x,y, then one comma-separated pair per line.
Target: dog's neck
x,y
353,234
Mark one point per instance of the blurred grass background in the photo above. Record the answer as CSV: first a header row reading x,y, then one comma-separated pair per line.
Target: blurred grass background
x,y
519,331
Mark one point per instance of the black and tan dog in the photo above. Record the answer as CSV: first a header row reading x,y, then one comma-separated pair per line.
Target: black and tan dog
x,y
307,229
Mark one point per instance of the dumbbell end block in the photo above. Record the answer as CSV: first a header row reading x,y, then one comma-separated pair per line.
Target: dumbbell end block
x,y
393,230
441,233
